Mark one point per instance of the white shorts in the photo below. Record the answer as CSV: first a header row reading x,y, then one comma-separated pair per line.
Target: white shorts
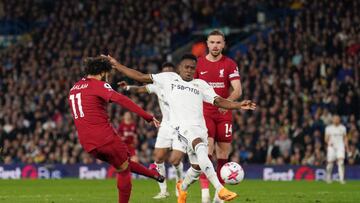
x,y
187,134
334,153
167,138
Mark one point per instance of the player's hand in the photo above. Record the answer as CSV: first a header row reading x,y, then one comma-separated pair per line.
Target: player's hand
x,y
156,122
248,105
112,60
123,85
222,110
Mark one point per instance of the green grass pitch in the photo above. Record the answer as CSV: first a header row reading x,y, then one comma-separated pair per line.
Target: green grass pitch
x,y
250,191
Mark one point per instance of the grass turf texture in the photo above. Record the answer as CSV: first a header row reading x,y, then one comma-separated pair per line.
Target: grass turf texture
x,y
74,190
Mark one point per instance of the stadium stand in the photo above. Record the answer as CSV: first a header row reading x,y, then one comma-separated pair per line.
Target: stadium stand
x,y
300,72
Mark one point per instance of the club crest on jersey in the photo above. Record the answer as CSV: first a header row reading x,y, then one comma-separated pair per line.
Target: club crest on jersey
x,y
221,72
106,85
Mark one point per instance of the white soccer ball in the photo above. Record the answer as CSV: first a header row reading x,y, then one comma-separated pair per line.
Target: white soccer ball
x,y
232,173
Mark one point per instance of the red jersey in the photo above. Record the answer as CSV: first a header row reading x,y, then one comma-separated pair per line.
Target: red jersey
x,y
127,132
217,74
88,99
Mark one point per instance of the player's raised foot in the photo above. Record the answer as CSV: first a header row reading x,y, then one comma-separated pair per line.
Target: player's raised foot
x,y
182,194
162,195
226,195
158,177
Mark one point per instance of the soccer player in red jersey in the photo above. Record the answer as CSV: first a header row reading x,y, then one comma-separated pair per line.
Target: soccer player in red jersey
x,y
88,99
127,132
222,74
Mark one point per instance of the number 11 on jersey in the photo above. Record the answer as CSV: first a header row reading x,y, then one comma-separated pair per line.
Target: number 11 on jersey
x,y
78,98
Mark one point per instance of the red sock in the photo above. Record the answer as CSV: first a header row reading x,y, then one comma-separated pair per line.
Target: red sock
x,y
124,186
204,182
142,170
220,163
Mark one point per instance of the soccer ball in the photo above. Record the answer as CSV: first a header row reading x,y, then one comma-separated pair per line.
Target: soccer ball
x,y
232,173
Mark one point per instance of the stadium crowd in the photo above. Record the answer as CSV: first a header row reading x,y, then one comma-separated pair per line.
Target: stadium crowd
x,y
300,73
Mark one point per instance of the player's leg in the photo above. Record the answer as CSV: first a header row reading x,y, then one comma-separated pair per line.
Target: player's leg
x,y
222,145
123,182
200,149
331,157
340,155
192,174
341,170
178,151
176,160
162,147
159,161
223,140
142,170
204,182
115,153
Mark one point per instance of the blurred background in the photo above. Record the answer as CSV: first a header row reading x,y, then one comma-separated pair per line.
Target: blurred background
x,y
298,60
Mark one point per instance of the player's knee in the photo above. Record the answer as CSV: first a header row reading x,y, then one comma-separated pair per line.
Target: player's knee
x,y
340,161
196,167
197,142
159,156
222,154
123,167
223,150
174,160
176,157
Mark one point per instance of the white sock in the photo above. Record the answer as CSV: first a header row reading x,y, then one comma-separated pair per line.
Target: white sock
x,y
217,198
205,194
191,176
179,171
161,169
341,169
206,166
329,168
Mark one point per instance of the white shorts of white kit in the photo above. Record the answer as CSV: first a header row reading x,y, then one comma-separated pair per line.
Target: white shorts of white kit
x,y
334,153
167,138
187,134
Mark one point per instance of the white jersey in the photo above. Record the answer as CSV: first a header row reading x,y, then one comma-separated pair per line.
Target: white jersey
x,y
164,105
336,135
185,98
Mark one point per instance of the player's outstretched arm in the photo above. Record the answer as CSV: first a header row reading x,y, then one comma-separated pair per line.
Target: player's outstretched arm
x,y
132,88
227,104
131,106
131,73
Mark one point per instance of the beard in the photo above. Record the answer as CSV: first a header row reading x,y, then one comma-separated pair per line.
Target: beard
x,y
215,53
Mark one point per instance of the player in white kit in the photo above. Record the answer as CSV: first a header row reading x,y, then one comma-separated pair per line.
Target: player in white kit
x,y
185,97
336,140
166,139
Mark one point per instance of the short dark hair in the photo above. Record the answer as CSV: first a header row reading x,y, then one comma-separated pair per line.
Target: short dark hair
x,y
216,32
189,56
96,65
167,64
